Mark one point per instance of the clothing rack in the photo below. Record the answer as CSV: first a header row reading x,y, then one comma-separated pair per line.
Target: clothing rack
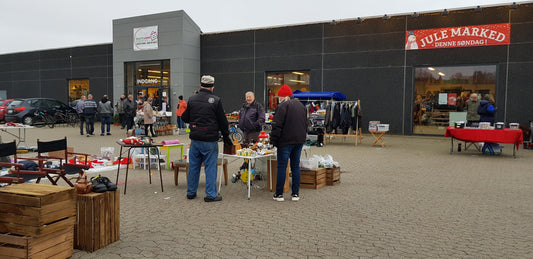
x,y
357,131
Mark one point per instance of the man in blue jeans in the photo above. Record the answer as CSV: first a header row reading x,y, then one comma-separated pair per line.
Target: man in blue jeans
x,y
289,129
206,118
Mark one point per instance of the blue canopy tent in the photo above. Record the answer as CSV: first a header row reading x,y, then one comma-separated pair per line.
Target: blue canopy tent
x,y
313,96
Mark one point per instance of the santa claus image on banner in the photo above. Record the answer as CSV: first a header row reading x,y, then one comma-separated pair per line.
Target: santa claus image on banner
x,y
411,41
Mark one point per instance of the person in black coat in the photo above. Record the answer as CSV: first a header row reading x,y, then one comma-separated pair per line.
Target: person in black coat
x,y
289,129
206,118
251,118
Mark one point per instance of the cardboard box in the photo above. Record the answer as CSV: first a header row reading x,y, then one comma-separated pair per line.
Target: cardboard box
x,y
60,153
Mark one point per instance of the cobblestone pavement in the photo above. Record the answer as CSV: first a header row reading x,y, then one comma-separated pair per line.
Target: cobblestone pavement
x,y
410,199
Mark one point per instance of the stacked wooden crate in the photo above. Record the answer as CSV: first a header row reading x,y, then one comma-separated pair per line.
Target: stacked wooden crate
x,y
333,176
313,179
37,220
98,221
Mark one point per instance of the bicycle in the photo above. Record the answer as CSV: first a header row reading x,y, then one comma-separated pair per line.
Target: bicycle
x,y
69,118
235,133
41,119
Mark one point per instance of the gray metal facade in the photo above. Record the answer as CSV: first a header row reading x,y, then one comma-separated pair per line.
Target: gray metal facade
x,y
368,61
46,73
179,41
365,61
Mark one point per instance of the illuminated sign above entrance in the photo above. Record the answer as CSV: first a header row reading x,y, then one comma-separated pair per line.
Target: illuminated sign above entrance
x,y
459,37
147,81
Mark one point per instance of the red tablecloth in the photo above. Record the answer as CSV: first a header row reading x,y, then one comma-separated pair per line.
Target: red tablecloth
x,y
486,135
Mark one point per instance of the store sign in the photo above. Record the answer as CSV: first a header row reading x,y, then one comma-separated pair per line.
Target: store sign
x,y
458,37
145,38
147,81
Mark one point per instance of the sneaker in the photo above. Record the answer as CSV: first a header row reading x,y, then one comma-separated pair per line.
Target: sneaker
x,y
191,196
295,197
108,134
101,134
278,197
218,198
88,135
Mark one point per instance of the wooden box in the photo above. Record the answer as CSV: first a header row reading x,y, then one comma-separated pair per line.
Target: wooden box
x,y
36,209
98,221
57,244
274,166
313,179
230,150
333,176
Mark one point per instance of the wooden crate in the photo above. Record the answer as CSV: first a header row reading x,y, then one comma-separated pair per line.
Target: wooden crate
x,y
98,221
333,176
313,179
274,165
57,244
36,209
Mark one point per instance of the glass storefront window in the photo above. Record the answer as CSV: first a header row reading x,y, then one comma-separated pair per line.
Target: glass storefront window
x,y
152,78
148,73
440,94
77,88
296,80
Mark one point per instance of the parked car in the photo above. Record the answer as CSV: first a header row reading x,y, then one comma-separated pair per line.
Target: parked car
x,y
23,110
3,107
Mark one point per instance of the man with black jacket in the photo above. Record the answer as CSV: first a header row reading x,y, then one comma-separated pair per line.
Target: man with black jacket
x,y
130,111
251,118
289,129
206,118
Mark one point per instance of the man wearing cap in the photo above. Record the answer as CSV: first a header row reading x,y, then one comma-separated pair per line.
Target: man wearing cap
x,y
206,118
289,129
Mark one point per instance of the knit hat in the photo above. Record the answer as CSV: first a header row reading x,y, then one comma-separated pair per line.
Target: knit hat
x,y
285,90
207,81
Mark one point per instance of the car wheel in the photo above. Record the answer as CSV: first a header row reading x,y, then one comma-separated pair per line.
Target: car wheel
x,y
28,120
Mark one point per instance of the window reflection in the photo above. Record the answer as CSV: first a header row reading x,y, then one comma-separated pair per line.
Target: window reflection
x,y
296,80
441,93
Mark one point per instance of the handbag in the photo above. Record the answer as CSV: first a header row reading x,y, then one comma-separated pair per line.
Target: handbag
x,y
83,186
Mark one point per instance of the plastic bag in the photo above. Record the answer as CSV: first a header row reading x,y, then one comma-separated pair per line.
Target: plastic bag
x,y
107,152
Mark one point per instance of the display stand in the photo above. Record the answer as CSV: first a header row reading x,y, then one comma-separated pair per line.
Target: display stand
x,y
357,132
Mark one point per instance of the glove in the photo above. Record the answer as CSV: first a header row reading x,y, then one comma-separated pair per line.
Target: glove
x,y
227,141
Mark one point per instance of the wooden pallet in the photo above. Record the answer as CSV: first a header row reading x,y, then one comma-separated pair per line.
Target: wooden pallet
x,y
98,221
57,244
36,209
333,176
313,179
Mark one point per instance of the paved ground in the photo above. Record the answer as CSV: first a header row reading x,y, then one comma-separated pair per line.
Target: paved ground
x,y
409,199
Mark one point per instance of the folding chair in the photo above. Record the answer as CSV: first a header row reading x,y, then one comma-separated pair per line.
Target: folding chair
x,y
17,175
65,167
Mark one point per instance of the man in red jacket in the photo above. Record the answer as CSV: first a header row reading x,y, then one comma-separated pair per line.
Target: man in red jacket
x,y
289,129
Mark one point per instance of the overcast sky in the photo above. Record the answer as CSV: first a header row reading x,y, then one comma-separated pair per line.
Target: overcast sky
x,y
28,25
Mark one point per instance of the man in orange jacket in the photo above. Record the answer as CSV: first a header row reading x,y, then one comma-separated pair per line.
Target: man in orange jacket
x,y
182,106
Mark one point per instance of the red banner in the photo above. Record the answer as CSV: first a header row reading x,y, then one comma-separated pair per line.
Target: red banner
x,y
459,37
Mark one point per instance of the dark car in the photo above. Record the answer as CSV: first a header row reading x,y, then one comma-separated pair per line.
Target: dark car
x,y
23,110
3,107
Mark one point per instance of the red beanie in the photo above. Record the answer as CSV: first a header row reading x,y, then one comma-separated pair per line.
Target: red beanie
x,y
285,90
